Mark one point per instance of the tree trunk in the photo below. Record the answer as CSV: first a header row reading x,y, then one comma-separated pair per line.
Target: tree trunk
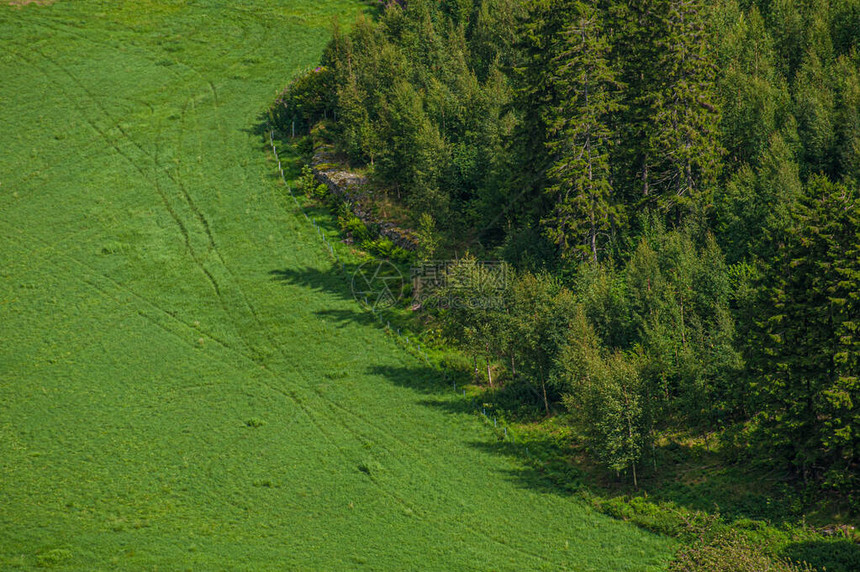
x,y
545,401
635,482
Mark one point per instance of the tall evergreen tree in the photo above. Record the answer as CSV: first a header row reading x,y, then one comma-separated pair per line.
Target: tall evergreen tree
x,y
634,54
580,138
847,74
684,139
809,370
537,45
814,109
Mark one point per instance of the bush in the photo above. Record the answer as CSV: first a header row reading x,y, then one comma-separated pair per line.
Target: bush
x,y
321,191
305,101
354,227
660,518
382,247
730,553
306,181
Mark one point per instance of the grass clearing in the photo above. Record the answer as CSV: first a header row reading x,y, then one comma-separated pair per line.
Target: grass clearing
x,y
184,379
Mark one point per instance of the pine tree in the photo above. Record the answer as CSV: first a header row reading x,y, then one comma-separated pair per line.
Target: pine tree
x,y
754,202
686,152
786,23
752,93
809,371
847,73
580,138
634,54
814,109
535,97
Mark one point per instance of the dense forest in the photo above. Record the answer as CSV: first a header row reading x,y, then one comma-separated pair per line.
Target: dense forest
x,y
674,183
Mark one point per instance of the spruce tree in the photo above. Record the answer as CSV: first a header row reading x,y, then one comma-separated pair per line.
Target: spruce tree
x,y
686,119
632,24
580,138
809,374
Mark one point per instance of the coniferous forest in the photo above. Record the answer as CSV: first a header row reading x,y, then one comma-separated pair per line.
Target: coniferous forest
x,y
674,183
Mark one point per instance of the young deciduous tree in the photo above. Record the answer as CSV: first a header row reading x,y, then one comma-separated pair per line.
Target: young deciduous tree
x,y
540,314
605,396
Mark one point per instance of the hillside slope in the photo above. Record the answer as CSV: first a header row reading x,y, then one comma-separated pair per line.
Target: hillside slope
x,y
184,381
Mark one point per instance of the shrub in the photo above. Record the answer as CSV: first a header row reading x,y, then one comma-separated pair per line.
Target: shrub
x,y
383,247
352,225
306,181
731,553
305,101
321,191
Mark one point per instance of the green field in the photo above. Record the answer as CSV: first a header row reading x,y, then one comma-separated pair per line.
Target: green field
x,y
185,382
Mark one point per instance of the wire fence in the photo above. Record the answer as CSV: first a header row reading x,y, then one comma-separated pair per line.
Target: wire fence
x,y
414,347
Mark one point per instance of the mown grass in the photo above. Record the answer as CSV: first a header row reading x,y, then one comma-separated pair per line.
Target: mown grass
x,y
185,381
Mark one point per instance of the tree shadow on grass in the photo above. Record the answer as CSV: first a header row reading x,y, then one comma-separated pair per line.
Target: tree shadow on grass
x,y
542,465
836,555
540,468
329,281
421,379
260,129
687,476
341,318
553,465
293,152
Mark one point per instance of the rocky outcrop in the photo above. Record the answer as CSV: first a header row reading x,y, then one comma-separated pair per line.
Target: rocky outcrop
x,y
354,190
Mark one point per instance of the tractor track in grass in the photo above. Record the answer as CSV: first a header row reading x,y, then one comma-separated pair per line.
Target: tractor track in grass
x,y
154,179
347,462
290,396
413,452
177,179
251,354
95,274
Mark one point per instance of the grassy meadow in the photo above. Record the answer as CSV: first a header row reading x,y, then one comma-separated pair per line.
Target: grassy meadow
x,y
185,381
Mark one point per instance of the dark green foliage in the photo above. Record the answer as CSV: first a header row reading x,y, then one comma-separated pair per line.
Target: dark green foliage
x,y
307,99
755,202
847,114
685,153
693,153
808,344
425,112
753,94
580,138
814,108
679,297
